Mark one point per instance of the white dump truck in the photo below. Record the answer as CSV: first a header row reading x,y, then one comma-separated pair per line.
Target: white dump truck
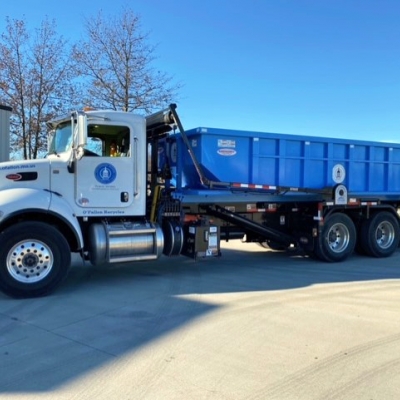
x,y
119,188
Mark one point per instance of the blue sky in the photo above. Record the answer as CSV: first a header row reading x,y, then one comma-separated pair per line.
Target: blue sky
x,y
310,67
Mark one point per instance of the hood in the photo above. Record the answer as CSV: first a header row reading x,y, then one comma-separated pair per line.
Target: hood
x,y
25,174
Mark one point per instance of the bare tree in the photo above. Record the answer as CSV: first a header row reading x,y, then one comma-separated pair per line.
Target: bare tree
x,y
36,74
117,59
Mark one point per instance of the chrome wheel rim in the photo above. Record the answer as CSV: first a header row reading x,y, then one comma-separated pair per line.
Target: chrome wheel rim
x,y
385,235
30,261
338,238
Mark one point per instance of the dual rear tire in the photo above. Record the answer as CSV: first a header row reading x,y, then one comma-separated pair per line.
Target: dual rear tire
x,y
338,238
378,236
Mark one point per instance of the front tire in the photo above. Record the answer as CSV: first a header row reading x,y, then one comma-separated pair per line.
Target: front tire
x,y
34,259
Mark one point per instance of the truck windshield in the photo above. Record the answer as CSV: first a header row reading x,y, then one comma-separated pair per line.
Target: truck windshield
x,y
62,139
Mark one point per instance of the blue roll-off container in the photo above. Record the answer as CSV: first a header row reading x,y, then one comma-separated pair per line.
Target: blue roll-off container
x,y
364,167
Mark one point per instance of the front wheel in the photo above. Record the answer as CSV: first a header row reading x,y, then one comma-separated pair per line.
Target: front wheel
x,y
338,238
34,259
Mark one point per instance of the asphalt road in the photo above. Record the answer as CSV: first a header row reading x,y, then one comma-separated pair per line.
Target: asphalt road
x,y
254,324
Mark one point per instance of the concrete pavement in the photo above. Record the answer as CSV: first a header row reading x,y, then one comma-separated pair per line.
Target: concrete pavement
x,y
254,324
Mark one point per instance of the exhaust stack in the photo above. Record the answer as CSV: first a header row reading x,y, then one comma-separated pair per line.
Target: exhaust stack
x,y
5,113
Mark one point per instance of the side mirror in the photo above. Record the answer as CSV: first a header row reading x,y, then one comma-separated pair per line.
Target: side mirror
x,y
50,138
79,129
79,153
81,125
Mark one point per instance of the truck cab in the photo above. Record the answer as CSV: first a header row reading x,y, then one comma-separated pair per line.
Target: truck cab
x,y
87,196
104,154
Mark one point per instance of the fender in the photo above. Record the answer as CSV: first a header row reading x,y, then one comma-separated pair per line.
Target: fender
x,y
63,209
13,201
19,200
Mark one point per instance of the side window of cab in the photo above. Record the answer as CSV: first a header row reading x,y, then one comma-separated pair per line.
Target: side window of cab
x,y
107,141
94,147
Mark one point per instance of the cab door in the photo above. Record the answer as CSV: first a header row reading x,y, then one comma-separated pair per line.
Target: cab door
x,y
105,175
104,182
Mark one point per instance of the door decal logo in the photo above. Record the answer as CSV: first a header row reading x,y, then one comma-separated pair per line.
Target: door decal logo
x,y
105,173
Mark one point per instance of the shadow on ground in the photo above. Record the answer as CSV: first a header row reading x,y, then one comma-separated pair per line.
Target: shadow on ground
x,y
101,314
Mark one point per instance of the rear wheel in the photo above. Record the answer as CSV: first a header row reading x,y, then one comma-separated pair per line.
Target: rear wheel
x,y
380,235
338,238
34,259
